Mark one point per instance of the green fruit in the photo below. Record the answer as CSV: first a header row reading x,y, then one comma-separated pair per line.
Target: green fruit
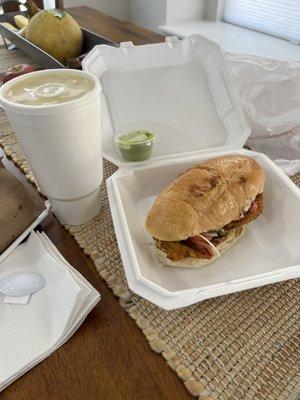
x,y
57,33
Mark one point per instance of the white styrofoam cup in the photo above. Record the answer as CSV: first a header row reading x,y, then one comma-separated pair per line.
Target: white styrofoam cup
x,y
62,143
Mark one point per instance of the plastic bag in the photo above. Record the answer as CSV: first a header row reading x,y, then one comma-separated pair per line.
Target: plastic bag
x,y
270,94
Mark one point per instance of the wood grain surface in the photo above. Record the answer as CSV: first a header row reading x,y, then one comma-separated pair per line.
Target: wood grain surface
x,y
113,28
108,358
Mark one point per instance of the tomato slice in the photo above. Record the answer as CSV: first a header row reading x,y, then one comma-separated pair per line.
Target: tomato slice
x,y
254,208
198,243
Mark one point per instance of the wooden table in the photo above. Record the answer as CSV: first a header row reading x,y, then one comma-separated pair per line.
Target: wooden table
x,y
108,358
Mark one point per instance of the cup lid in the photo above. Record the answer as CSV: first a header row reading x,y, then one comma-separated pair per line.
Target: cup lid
x,y
181,90
48,109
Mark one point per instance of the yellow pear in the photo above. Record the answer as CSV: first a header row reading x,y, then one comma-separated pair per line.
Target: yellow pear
x,y
57,33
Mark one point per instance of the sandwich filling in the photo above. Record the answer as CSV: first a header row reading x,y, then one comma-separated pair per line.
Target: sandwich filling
x,y
198,247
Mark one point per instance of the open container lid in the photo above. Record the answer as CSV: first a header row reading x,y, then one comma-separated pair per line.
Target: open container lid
x,y
180,89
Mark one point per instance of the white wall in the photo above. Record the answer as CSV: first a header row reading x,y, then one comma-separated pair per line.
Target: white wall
x,y
148,13
153,13
116,8
184,10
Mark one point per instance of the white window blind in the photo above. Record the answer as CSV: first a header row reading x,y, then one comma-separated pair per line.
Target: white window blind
x,y
280,18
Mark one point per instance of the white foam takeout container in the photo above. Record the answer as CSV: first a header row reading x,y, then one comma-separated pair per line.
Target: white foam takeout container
x,y
27,231
182,91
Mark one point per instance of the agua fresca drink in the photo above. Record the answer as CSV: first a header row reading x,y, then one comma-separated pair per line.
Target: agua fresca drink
x,y
56,116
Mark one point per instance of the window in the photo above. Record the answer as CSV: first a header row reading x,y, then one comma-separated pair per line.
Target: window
x,y
280,18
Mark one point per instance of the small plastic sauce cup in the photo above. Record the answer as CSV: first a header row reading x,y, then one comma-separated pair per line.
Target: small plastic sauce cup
x,y
136,145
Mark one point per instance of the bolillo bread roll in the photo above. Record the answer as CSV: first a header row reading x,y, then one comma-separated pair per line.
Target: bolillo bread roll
x,y
206,198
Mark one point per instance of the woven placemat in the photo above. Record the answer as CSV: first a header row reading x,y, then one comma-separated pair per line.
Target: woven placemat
x,y
241,346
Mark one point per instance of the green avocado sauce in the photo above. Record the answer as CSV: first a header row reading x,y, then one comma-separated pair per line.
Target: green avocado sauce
x,y
136,145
